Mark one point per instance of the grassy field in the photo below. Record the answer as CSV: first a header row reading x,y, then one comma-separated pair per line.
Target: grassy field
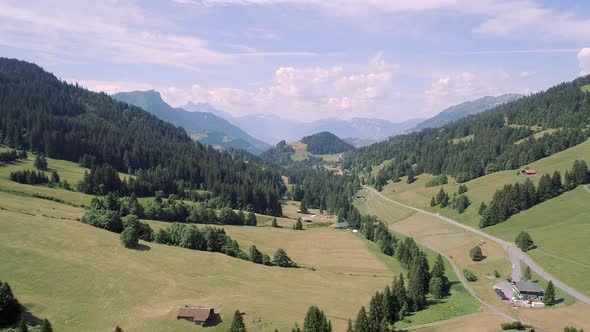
x,y
81,278
566,260
586,88
455,242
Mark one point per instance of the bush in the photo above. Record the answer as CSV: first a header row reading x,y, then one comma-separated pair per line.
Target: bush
x,y
469,275
109,220
476,254
437,181
513,326
129,238
497,274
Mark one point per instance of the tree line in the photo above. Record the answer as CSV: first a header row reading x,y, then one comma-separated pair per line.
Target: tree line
x,y
40,113
12,155
564,107
517,197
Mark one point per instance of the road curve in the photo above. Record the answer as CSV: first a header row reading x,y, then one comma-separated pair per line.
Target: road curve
x,y
514,253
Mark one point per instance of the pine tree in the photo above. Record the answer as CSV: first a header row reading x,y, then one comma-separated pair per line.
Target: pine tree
x,y
118,329
482,208
545,189
376,311
274,223
433,202
445,201
411,175
349,328
316,321
237,324
298,226
399,296
524,241
40,162
440,196
436,287
549,298
438,271
418,280
255,255
251,220
362,321
526,274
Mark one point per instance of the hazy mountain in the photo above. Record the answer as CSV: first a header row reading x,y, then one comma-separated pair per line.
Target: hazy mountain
x,y
462,110
203,126
276,128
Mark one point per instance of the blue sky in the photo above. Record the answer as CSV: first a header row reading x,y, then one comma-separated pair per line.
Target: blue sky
x,y
306,59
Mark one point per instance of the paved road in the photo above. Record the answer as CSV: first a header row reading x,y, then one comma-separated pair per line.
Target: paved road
x,y
514,253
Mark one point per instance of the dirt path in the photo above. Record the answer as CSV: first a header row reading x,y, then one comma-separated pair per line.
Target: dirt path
x,y
514,253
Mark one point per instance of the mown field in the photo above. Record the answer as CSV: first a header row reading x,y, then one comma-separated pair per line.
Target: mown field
x,y
558,226
81,278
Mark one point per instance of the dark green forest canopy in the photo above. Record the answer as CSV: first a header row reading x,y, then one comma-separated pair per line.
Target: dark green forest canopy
x,y
38,112
564,107
325,143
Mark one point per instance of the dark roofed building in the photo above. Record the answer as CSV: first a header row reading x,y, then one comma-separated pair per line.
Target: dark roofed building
x,y
528,290
195,315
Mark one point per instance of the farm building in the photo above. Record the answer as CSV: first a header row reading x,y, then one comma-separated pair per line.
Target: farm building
x,y
196,315
529,172
527,290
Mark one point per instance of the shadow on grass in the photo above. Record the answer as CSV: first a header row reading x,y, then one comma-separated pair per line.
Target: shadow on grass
x,y
28,316
213,321
141,247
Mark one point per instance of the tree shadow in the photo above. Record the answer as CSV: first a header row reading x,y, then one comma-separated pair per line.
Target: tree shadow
x,y
142,247
29,317
214,320
558,301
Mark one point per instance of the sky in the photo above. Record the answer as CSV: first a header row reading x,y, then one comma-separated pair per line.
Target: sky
x,y
305,59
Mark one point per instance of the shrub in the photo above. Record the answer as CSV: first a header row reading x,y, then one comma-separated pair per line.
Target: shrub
x,y
513,326
469,275
476,254
129,238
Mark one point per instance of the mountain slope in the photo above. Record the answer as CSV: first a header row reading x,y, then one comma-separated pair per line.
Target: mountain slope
x,y
462,110
505,138
206,127
325,143
40,113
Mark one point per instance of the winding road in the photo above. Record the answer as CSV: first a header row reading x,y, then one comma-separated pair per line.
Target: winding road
x,y
514,253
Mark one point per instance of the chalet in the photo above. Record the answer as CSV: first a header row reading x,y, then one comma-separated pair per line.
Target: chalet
x,y
198,316
527,290
529,172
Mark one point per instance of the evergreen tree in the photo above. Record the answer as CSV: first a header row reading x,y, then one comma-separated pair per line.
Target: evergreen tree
x,y
411,175
438,271
255,255
461,203
549,297
462,189
349,328
376,311
545,190
524,241
316,321
237,324
557,183
433,202
526,274
251,220
440,196
274,223
418,280
11,309
361,323
476,254
118,329
298,226
282,259
445,201
40,162
54,177
482,208
436,287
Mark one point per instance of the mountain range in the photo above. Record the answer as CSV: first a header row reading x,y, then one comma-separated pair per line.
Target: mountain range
x,y
462,110
203,126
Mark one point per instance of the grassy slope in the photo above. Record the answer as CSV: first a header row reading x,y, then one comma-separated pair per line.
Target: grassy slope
x,y
82,279
559,210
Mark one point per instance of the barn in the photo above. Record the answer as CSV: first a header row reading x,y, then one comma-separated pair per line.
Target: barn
x,y
198,316
527,290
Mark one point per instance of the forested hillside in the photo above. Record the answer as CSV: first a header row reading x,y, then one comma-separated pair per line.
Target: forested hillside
x,y
40,113
462,110
505,138
206,127
325,143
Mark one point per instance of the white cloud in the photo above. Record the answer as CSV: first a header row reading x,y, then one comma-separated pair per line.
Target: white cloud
x,y
584,59
521,18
